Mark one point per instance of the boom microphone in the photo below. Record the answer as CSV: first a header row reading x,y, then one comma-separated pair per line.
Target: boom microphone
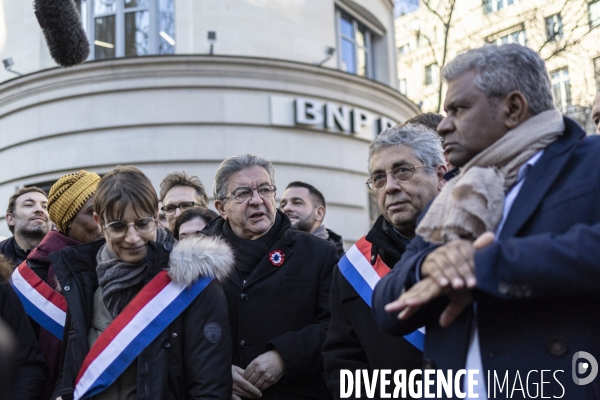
x,y
63,31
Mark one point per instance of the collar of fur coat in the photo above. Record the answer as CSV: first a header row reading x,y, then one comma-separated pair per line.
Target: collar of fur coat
x,y
195,257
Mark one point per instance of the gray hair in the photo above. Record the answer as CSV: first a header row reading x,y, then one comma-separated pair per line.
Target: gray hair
x,y
504,69
425,144
235,164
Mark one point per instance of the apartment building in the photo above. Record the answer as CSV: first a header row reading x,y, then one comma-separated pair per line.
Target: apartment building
x,y
564,32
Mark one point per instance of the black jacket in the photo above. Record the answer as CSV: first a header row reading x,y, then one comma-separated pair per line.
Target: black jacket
x,y
181,363
31,369
337,241
10,249
284,308
353,340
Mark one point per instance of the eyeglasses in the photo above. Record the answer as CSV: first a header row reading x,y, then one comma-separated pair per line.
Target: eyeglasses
x,y
400,174
244,193
118,229
170,209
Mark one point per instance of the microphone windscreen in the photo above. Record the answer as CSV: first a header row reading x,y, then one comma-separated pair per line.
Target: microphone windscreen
x,y
61,24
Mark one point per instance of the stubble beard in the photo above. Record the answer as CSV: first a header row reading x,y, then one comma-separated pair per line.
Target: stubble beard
x,y
31,232
303,225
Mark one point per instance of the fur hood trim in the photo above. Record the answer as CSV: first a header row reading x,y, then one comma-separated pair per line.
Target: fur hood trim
x,y
6,267
197,257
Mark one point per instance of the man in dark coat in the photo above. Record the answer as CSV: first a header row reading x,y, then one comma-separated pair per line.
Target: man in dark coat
x,y
28,221
504,271
278,294
305,206
354,341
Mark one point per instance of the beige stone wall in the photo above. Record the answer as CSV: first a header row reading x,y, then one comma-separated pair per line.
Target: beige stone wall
x,y
423,31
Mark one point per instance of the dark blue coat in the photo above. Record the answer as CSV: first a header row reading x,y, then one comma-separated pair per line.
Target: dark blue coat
x,y
538,285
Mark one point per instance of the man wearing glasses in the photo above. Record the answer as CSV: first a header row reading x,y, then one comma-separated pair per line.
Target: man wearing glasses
x,y
406,168
278,294
180,192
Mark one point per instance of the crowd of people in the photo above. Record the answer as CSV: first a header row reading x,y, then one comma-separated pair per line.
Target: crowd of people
x,y
483,257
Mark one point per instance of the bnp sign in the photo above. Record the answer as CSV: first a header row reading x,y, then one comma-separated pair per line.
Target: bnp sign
x,y
331,116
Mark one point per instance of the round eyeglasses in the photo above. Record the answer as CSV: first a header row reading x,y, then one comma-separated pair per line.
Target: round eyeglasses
x,y
400,174
118,229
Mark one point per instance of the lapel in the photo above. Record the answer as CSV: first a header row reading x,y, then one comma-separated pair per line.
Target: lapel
x,y
265,268
540,178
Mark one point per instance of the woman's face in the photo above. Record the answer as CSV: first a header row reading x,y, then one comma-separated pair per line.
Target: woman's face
x,y
131,247
82,227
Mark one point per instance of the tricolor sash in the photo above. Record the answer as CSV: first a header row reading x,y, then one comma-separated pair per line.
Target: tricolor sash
x,y
43,304
363,276
144,318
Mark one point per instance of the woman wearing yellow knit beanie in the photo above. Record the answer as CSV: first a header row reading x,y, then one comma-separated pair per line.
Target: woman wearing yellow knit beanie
x,y
70,207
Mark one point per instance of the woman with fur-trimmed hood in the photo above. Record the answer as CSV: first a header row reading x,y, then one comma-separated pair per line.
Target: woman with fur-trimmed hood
x,y
105,281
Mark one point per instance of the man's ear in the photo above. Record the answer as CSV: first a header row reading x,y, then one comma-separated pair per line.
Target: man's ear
x,y
10,220
517,109
221,209
440,171
320,213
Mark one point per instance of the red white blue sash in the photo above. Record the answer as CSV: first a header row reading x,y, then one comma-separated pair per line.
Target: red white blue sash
x,y
144,318
363,276
43,304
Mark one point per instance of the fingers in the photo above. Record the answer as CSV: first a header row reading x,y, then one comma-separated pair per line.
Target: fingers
x,y
451,265
265,370
418,295
484,240
235,397
241,387
458,302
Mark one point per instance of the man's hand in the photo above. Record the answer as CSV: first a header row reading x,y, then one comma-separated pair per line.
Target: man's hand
x,y
449,272
241,387
265,370
453,264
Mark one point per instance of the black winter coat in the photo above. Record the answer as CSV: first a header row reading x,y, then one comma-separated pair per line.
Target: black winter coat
x,y
8,247
353,340
31,370
337,241
181,363
284,308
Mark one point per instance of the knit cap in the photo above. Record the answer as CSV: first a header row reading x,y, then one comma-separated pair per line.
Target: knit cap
x,y
68,195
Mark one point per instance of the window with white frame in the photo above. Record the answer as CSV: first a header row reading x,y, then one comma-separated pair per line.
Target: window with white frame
x,y
431,74
490,6
403,86
125,28
356,55
561,88
554,27
519,37
405,49
594,13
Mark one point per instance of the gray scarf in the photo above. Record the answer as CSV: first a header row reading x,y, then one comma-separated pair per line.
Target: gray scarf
x,y
321,232
121,281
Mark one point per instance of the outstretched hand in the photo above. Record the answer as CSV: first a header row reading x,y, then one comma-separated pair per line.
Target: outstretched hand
x,y
448,270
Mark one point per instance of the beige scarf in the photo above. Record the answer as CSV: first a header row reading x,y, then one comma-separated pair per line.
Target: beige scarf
x,y
472,202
